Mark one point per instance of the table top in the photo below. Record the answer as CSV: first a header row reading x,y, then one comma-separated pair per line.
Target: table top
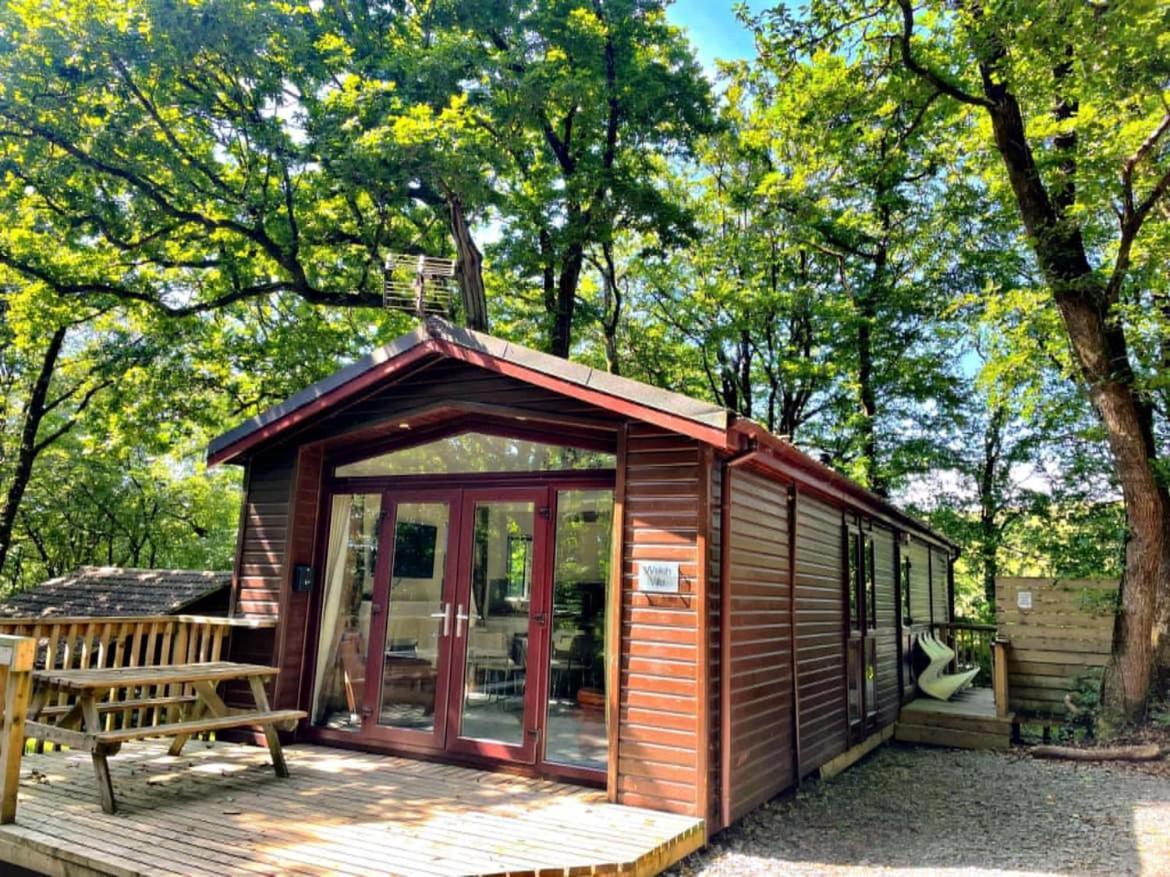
x,y
118,677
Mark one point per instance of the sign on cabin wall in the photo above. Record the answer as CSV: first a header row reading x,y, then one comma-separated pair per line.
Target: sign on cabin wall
x,y
658,576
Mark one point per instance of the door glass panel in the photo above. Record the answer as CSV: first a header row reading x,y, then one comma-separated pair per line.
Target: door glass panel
x,y
416,616
477,452
351,556
576,732
496,662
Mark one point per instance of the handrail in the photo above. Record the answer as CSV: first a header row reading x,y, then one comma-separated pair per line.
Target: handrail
x,y
16,663
245,622
971,642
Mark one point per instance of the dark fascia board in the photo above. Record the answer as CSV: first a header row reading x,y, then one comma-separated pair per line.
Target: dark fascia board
x,y
798,465
633,397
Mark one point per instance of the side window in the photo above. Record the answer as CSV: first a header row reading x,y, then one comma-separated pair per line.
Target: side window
x,y
854,582
870,559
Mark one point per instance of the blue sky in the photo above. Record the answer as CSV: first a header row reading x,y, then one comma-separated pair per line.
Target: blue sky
x,y
714,29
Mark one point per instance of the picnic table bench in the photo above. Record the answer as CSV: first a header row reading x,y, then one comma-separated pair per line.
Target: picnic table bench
x,y
196,709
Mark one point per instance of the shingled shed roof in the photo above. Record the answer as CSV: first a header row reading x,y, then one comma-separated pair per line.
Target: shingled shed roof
x,y
98,591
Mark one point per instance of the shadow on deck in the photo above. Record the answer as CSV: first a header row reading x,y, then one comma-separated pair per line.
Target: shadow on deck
x,y
966,721
218,809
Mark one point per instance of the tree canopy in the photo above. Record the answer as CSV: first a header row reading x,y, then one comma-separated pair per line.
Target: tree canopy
x,y
923,241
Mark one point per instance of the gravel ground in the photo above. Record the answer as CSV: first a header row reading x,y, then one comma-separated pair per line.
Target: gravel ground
x,y
917,810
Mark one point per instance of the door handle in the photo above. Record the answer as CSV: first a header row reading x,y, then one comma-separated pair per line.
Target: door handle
x,y
444,613
460,617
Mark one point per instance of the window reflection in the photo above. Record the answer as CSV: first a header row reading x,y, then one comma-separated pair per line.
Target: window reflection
x,y
576,708
345,614
477,452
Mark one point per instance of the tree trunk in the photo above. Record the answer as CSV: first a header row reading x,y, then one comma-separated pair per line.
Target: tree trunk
x,y
469,266
611,308
561,339
1101,352
34,413
989,531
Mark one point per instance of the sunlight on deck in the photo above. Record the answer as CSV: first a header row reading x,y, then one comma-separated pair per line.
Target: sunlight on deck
x,y
218,809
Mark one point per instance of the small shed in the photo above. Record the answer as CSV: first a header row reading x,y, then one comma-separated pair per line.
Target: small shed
x,y
106,591
480,553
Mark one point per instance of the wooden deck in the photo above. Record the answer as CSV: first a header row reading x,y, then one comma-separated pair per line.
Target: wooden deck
x,y
218,809
967,721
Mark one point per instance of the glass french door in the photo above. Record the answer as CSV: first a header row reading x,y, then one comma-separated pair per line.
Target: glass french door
x,y
501,617
459,603
412,618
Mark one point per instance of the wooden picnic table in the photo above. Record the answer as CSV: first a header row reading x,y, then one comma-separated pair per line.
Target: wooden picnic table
x,y
195,709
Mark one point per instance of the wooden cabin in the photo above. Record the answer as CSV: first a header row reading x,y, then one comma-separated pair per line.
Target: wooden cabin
x,y
480,553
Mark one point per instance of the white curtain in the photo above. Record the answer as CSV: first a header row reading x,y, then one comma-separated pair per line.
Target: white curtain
x,y
335,563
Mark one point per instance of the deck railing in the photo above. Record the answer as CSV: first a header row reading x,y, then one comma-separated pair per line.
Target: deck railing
x,y
77,643
83,643
977,645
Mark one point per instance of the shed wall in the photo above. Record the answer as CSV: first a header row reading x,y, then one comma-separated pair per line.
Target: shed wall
x,y
659,712
760,661
886,632
820,647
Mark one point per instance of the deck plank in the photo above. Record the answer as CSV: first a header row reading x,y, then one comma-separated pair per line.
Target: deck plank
x,y
218,809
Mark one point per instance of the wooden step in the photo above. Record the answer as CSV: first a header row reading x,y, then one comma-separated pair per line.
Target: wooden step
x,y
950,737
958,721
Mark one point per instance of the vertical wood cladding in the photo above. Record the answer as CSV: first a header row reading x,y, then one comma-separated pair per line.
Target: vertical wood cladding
x,y
759,663
886,633
658,757
820,647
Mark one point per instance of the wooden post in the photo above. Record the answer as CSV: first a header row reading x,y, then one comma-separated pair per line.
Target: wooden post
x,y
999,676
17,656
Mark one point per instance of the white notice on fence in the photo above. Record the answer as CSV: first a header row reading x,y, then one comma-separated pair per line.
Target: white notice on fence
x,y
1024,599
658,576
5,656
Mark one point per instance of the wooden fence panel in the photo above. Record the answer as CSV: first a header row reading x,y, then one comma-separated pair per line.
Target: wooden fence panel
x,y
1059,631
134,641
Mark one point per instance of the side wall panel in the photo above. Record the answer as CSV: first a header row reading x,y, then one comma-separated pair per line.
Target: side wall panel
x,y
760,665
294,605
938,584
886,634
658,734
820,650
715,588
260,566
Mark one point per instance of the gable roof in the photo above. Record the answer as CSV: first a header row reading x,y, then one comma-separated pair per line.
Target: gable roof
x,y
101,591
695,418
701,420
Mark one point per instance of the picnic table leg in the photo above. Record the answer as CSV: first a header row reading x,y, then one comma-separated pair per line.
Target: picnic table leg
x,y
197,711
105,785
270,734
101,767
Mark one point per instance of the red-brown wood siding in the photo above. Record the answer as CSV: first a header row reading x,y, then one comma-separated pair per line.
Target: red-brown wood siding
x,y
920,597
265,537
658,749
820,649
886,633
938,586
715,588
759,663
294,605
